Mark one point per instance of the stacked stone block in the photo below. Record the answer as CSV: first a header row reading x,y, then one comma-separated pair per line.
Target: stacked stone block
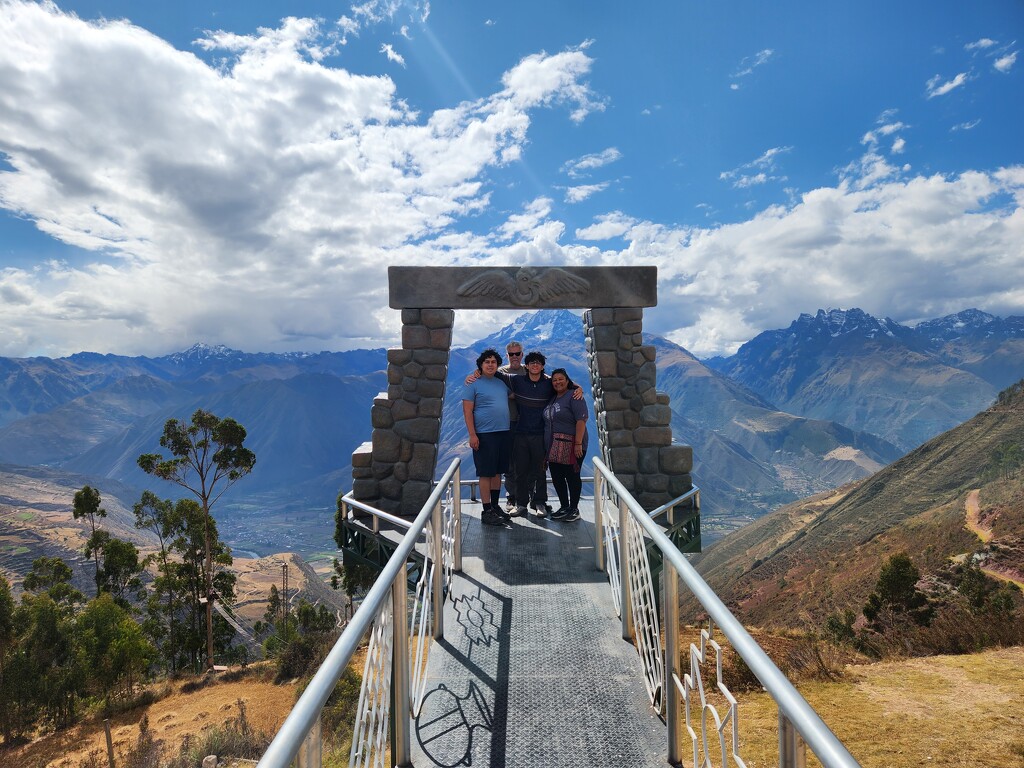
x,y
632,416
394,471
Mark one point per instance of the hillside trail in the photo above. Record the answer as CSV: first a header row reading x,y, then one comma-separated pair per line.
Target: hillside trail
x,y
170,720
972,509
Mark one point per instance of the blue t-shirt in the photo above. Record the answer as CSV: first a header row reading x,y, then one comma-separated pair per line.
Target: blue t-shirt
x,y
490,404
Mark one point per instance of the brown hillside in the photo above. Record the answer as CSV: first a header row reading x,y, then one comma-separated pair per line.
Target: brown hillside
x,y
824,553
172,718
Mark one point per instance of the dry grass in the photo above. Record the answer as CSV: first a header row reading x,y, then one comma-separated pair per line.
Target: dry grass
x,y
938,711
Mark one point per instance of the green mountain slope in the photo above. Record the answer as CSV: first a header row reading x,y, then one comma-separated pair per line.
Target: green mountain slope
x,y
807,559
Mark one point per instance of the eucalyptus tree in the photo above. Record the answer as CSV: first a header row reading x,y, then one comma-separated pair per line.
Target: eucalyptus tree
x,y
207,456
87,504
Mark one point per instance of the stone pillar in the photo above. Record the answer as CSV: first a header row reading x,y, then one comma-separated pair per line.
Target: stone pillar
x,y
633,418
394,471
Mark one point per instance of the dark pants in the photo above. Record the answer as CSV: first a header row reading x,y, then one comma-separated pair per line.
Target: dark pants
x,y
510,475
528,458
568,484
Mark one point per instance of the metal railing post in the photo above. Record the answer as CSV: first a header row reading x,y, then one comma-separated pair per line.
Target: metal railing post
x,y
598,521
626,609
673,665
401,706
792,753
437,523
311,752
457,512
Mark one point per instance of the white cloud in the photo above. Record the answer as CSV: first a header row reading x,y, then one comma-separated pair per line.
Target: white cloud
x,y
583,165
388,50
259,200
1005,63
581,192
981,44
542,80
764,168
905,248
935,87
969,125
606,227
750,63
899,145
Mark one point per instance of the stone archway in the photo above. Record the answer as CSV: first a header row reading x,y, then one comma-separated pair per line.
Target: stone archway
x,y
394,470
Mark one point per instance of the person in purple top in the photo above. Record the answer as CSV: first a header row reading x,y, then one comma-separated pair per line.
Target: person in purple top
x,y
565,440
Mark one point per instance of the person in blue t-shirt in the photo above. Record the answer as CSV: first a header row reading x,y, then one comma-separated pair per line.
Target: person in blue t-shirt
x,y
485,408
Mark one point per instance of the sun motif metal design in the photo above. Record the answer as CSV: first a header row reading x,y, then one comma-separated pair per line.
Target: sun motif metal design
x,y
476,620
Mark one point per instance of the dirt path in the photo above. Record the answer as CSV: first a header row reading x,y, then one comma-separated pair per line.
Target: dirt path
x,y
170,719
972,509
973,512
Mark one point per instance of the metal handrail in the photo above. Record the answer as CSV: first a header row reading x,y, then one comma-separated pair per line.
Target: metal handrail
x,y
796,716
305,715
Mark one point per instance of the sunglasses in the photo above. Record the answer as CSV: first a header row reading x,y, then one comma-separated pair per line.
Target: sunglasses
x,y
515,354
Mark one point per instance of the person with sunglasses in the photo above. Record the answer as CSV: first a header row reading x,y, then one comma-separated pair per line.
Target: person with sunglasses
x,y
514,367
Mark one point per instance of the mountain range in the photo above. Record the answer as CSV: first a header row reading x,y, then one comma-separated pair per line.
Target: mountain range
x,y
903,384
832,399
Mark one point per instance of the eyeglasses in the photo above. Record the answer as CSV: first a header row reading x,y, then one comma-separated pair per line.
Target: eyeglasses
x,y
515,354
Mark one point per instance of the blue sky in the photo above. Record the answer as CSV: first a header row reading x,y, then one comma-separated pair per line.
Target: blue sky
x,y
244,173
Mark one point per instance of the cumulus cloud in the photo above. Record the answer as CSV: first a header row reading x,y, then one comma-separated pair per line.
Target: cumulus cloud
x,y
935,87
582,166
257,200
980,45
581,192
542,80
904,247
1005,63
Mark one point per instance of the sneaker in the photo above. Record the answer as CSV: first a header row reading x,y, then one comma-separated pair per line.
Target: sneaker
x,y
491,517
510,503
541,510
559,513
517,512
571,516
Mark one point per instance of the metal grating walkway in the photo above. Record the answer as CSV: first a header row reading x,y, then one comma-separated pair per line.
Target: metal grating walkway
x,y
533,670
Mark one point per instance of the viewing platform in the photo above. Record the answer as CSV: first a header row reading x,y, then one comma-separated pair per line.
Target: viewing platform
x,y
532,645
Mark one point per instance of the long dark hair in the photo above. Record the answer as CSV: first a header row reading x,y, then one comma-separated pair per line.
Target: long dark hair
x,y
571,385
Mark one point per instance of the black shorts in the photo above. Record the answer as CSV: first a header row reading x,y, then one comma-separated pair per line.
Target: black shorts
x,y
491,458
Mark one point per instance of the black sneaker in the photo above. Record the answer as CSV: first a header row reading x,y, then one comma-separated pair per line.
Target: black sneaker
x,y
559,513
571,516
490,517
